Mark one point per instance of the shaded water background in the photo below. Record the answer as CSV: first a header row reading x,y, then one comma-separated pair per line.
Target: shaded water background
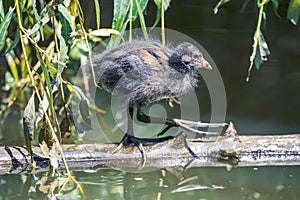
x,y
268,104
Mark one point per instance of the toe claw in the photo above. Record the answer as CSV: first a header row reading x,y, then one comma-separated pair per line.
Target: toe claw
x,y
129,139
119,147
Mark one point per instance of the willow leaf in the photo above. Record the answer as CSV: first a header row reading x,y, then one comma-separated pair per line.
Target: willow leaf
x,y
294,11
4,24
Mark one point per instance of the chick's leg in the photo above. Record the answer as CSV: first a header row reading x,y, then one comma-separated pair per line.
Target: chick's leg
x,y
173,122
129,138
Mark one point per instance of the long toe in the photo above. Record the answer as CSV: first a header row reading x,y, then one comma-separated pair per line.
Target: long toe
x,y
193,125
198,123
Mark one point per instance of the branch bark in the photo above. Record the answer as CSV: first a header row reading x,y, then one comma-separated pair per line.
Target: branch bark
x,y
270,150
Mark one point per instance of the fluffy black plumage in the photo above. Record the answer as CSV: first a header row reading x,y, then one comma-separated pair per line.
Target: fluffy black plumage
x,y
141,72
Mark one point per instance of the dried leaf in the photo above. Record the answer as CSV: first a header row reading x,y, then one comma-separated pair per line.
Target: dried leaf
x,y
104,32
45,149
55,156
39,24
28,123
259,53
263,47
44,104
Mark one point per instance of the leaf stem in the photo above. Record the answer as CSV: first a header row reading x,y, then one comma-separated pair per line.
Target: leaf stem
x,y
163,36
130,20
89,50
256,36
54,137
142,20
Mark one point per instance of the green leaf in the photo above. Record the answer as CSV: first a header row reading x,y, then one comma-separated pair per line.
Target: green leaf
x,y
264,20
1,10
46,74
121,9
83,111
257,60
47,97
121,16
48,94
166,3
121,12
138,7
12,65
37,17
97,9
51,69
28,123
275,4
4,25
294,11
11,46
66,30
44,104
157,18
62,56
158,11
35,12
220,3
65,19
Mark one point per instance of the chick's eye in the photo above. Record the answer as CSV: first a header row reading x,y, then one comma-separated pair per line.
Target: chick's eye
x,y
196,56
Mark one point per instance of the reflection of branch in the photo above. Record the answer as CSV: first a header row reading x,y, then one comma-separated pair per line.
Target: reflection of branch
x,y
271,150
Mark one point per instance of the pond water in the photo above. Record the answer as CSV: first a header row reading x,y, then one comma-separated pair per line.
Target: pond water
x,y
268,104
267,183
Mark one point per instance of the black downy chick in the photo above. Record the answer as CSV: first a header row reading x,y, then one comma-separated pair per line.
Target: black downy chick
x,y
141,72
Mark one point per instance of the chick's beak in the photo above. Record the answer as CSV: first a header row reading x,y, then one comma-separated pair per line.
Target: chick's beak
x,y
205,65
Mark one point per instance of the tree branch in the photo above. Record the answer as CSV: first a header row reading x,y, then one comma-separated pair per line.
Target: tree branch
x,y
268,150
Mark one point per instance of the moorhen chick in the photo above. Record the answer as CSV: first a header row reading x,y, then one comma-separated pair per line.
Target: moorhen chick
x,y
141,72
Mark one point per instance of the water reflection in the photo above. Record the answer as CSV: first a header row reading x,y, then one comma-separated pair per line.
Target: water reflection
x,y
171,183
